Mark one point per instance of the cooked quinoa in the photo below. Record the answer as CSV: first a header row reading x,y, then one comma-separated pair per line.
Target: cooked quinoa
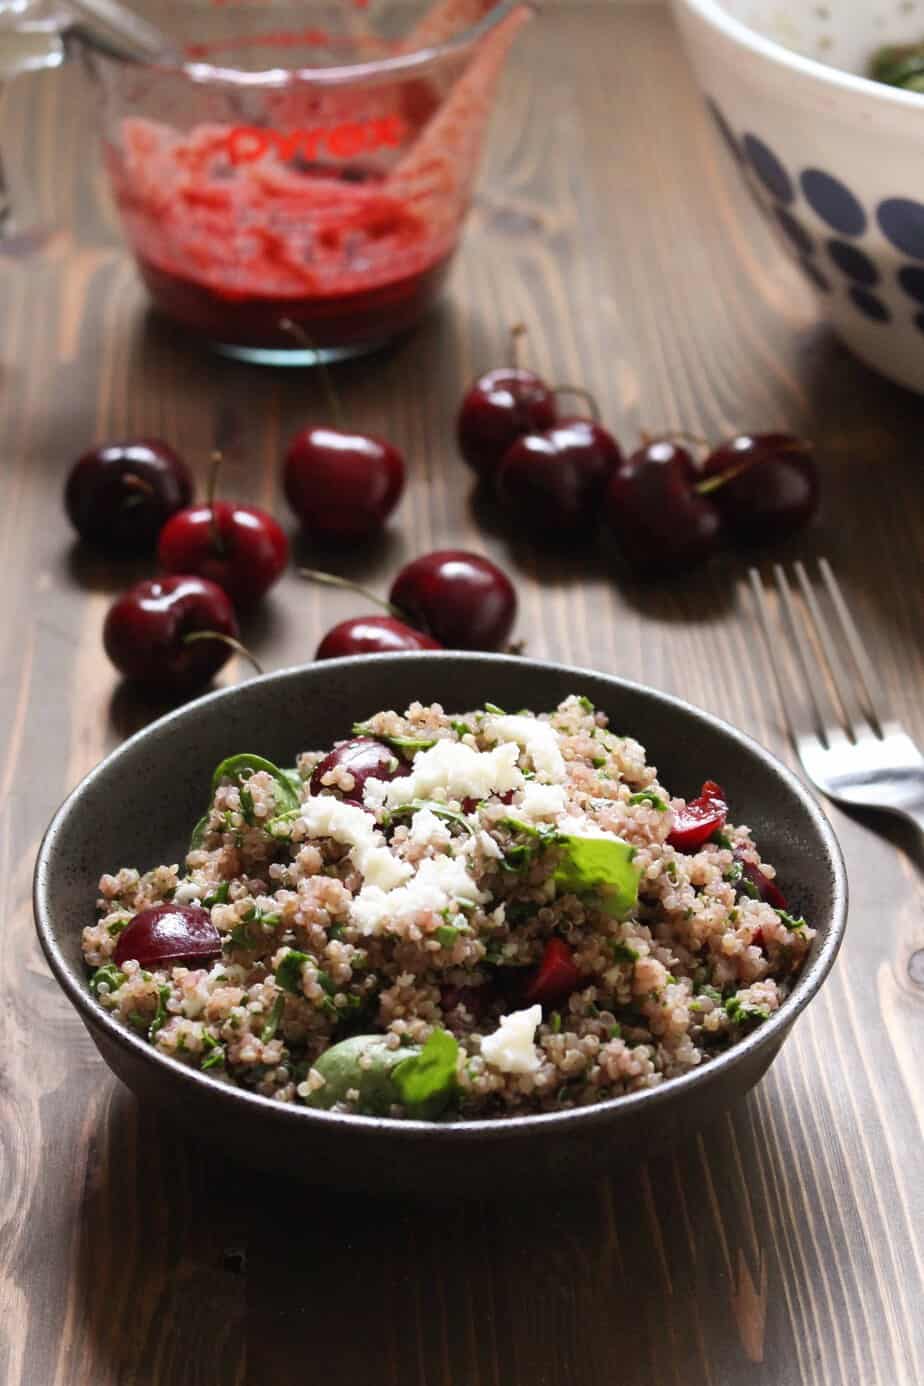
x,y
511,915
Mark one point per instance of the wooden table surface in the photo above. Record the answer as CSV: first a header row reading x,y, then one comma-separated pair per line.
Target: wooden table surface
x,y
785,1247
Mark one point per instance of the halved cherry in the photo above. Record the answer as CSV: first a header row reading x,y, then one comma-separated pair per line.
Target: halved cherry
x,y
702,816
169,936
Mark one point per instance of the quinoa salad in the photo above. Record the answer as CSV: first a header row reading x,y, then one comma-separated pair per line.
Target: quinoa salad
x,y
451,916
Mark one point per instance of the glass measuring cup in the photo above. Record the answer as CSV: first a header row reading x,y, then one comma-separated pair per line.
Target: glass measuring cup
x,y
309,166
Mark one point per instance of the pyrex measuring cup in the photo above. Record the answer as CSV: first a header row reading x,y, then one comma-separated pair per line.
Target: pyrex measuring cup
x,y
308,166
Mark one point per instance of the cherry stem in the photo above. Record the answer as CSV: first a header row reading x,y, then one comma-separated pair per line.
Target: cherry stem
x,y
295,330
332,580
228,640
578,390
518,334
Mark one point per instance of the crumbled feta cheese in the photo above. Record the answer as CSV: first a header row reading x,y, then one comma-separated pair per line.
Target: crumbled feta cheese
x,y
541,800
489,846
538,739
325,816
187,893
511,1047
428,830
452,768
579,825
437,883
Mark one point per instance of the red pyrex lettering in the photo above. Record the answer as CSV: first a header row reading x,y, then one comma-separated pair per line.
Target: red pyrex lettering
x,y
247,143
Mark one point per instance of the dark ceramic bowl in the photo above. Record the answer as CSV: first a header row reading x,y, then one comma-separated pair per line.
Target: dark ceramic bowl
x,y
137,808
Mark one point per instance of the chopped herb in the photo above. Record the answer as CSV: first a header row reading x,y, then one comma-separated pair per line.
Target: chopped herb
x,y
494,710
447,935
441,811
712,992
138,1020
616,1031
791,922
740,1013
598,763
247,808
670,869
160,1015
461,729
585,703
672,980
109,974
335,932
289,971
623,953
214,1059
555,1022
117,925
721,839
219,895
593,1010
426,1081
645,796
272,1024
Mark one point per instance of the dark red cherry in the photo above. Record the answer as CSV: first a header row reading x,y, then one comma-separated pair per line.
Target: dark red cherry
x,y
241,548
765,887
342,485
372,635
554,482
166,936
145,628
462,599
655,514
769,485
499,408
120,494
695,823
364,759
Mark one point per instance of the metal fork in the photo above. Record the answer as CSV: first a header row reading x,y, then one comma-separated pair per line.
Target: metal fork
x,y
839,719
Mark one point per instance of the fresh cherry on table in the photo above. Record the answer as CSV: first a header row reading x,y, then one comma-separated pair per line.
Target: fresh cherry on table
x,y
372,635
119,495
169,936
461,599
764,485
499,408
554,481
242,549
655,513
342,485
364,758
146,628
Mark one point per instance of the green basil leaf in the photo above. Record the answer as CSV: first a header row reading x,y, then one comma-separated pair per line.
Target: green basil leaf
x,y
289,971
427,1081
601,866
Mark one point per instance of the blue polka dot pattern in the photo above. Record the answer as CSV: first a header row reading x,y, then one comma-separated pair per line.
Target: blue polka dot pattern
x,y
833,201
795,231
868,304
911,278
768,169
724,128
854,262
812,272
902,222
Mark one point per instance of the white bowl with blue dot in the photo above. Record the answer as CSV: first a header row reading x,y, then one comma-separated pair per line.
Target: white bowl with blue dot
x,y
834,161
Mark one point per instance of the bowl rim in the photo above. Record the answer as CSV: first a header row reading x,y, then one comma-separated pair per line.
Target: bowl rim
x,y
494,1128
712,13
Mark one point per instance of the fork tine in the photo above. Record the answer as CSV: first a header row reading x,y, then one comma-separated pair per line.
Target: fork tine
x,y
790,711
806,659
843,685
877,703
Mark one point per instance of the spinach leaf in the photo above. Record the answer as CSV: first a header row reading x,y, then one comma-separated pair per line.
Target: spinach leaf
x,y
427,1081
602,866
238,770
197,837
397,743
415,805
272,1024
